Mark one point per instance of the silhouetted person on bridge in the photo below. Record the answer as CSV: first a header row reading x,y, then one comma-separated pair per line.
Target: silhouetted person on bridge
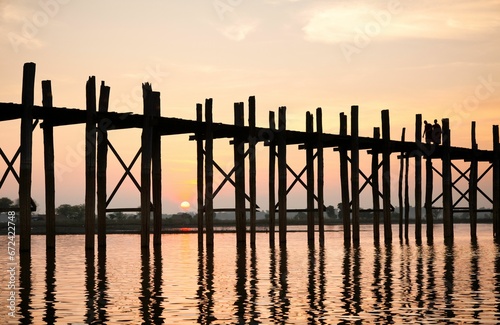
x,y
427,132
436,132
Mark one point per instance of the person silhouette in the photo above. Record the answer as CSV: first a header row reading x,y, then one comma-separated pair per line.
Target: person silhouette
x,y
427,132
436,132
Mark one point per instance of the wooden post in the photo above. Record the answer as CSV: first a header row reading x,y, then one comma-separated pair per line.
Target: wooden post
x,y
496,184
355,173
102,158
26,156
310,178
320,172
407,196
146,144
282,183
473,185
344,183
429,217
418,179
375,189
272,179
48,154
90,165
209,174
447,183
386,172
400,188
239,165
156,169
253,170
199,173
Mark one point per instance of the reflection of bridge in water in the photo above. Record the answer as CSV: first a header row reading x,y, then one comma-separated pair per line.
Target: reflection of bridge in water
x,y
244,139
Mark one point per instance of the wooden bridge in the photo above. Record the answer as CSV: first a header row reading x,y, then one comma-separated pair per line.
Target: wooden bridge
x,y
244,139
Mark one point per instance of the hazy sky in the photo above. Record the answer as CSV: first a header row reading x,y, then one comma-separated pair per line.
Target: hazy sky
x,y
438,58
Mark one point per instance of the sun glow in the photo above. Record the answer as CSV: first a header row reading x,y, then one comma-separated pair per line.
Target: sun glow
x,y
185,205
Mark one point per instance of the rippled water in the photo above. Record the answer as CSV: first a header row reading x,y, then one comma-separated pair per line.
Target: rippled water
x,y
299,284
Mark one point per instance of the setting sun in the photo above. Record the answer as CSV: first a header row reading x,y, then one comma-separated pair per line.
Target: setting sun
x,y
185,205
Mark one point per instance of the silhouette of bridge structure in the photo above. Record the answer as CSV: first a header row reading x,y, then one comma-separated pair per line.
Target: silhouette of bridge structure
x,y
244,138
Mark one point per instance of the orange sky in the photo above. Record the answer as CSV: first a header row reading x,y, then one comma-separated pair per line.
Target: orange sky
x,y
438,58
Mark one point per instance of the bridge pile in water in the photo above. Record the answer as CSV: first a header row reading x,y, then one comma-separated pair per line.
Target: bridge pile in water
x,y
99,122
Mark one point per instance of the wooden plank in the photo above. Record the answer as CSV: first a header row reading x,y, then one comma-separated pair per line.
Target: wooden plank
x,y
418,179
473,185
310,179
355,173
272,179
386,175
102,162
344,183
447,183
321,173
252,170
156,169
429,185
496,184
209,174
400,189
90,164
375,190
282,183
407,197
239,178
25,168
48,155
146,145
199,173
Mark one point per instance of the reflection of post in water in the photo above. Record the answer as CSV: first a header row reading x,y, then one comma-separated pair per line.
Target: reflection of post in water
x,y
282,303
102,285
377,280
25,287
431,281
346,280
316,291
419,278
351,281
90,315
475,286
205,290
497,275
388,284
241,279
145,297
254,293
449,272
273,288
157,284
406,274
50,286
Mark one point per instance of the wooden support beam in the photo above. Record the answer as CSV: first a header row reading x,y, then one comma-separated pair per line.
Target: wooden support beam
x,y
48,155
344,183
272,179
355,173
102,163
400,189
473,185
375,190
429,217
25,168
239,165
282,183
90,164
418,179
209,174
447,182
407,197
252,170
321,173
199,174
496,184
156,168
310,179
386,175
146,145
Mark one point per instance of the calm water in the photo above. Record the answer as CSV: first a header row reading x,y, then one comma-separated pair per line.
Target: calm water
x,y
372,284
